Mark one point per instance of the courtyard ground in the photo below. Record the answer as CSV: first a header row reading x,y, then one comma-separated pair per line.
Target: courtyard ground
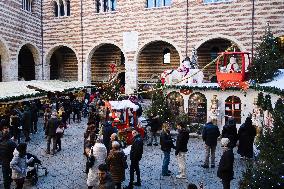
x,y
65,169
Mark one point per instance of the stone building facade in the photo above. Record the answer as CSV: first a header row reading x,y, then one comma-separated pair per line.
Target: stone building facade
x,y
79,40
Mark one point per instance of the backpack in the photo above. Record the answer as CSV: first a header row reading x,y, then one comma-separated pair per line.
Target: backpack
x,y
91,160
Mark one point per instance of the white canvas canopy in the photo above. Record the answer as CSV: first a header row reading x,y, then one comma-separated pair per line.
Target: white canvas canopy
x,y
123,104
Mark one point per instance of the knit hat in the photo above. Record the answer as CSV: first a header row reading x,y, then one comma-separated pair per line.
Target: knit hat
x,y
225,142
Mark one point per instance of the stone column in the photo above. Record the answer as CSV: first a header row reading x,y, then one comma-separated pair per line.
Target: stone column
x,y
130,77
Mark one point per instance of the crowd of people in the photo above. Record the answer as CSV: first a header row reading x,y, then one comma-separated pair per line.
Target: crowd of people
x,y
106,158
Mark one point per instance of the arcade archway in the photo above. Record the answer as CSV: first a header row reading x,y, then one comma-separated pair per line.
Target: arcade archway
x,y
64,64
154,58
108,64
208,51
26,63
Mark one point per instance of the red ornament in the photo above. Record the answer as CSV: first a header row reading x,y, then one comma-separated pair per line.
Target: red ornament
x,y
112,67
185,91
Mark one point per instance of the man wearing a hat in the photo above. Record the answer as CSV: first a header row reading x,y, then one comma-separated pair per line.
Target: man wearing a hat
x,y
225,169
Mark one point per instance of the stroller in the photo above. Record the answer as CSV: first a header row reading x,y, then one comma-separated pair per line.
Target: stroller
x,y
35,170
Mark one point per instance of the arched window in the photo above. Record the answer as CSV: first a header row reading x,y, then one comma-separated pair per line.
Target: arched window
x,y
105,5
61,6
175,101
27,5
55,7
197,108
158,3
68,7
233,108
167,56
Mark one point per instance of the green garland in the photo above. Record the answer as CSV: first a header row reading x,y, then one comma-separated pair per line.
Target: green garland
x,y
41,93
273,90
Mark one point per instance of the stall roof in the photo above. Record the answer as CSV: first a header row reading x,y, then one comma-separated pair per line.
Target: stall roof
x,y
123,104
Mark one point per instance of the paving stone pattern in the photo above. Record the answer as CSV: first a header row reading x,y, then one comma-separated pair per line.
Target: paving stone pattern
x,y
65,169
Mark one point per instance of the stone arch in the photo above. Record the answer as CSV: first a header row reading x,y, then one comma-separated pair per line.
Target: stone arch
x,y
220,36
4,60
150,59
197,107
207,51
100,52
67,64
28,52
143,45
176,102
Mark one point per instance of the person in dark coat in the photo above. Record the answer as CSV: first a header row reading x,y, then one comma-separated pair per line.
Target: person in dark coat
x,y
34,117
181,149
246,135
166,146
226,164
50,132
230,131
27,123
135,157
15,124
210,135
116,161
7,148
155,125
107,131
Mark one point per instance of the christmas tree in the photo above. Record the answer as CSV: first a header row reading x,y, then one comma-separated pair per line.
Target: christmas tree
x,y
267,59
268,171
260,99
159,106
267,103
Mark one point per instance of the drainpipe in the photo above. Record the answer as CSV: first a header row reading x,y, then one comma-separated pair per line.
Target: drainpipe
x,y
252,28
41,17
82,40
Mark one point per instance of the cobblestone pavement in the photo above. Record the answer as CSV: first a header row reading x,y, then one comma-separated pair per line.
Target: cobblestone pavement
x,y
65,169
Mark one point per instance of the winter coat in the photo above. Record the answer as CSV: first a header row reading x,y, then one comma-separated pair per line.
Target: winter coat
x,y
230,132
100,154
18,166
27,120
210,134
182,140
154,124
6,152
166,141
107,183
246,136
116,161
225,169
107,131
136,149
52,125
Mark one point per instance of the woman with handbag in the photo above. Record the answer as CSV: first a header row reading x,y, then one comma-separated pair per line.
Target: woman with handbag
x,y
99,153
59,135
116,161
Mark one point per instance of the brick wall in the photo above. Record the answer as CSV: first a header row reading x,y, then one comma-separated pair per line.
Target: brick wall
x,y
18,28
230,21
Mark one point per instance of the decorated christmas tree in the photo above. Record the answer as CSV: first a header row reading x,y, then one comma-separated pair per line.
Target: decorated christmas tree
x,y
159,106
267,59
268,170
